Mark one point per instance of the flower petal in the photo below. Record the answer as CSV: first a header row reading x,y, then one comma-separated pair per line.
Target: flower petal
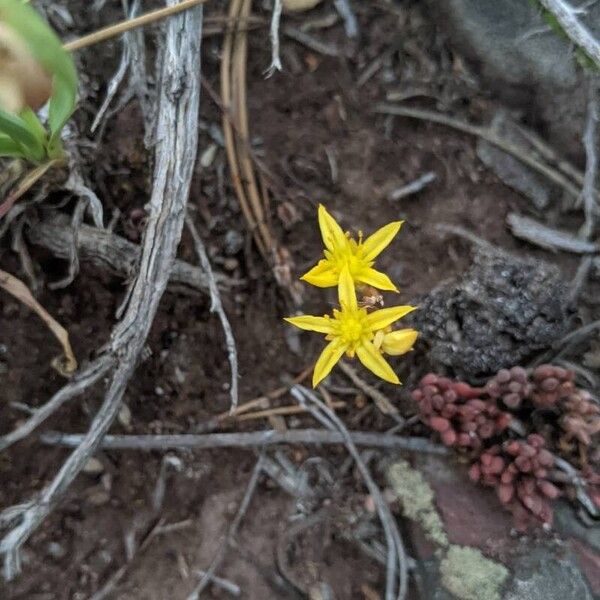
x,y
322,275
377,242
399,342
377,279
383,317
374,361
332,234
347,291
310,323
329,357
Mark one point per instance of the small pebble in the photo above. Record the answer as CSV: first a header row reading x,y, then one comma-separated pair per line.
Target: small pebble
x,y
208,156
93,467
124,416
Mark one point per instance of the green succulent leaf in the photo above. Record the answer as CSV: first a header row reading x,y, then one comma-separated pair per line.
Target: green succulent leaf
x,y
10,148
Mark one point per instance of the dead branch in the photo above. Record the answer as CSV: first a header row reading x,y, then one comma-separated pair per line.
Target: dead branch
x,y
591,163
246,440
274,35
537,233
175,157
82,380
109,251
217,306
396,555
575,30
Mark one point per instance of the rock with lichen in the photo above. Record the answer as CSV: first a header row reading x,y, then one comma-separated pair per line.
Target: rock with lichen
x,y
499,313
469,575
417,499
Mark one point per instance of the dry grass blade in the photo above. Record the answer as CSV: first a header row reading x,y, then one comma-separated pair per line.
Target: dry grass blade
x,y
66,365
123,26
26,183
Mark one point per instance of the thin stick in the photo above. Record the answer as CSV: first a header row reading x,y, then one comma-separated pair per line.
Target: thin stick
x,y
537,233
591,163
247,440
216,305
122,27
232,532
274,35
78,384
381,401
396,556
293,409
576,31
484,133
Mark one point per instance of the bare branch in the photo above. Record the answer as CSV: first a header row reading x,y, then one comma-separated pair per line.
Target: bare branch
x,y
110,251
175,157
274,35
591,163
247,440
80,382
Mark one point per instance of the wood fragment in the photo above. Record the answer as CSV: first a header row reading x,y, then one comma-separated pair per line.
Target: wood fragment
x,y
246,440
537,233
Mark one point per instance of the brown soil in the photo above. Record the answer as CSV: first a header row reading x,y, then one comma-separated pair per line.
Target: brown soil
x,y
312,108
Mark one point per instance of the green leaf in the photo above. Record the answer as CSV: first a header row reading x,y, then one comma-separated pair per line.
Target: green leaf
x,y
34,125
10,148
16,129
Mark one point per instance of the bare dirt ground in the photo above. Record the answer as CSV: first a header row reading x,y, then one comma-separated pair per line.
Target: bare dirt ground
x,y
313,127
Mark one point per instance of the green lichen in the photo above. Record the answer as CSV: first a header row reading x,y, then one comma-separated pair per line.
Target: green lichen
x,y
469,575
417,499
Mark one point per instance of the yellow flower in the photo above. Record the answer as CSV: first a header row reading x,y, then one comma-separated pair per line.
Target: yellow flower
x,y
341,250
352,330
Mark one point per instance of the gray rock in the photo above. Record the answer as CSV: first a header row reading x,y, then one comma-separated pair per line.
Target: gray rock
x,y
498,314
540,576
522,60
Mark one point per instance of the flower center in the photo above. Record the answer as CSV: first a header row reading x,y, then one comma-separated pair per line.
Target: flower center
x,y
353,326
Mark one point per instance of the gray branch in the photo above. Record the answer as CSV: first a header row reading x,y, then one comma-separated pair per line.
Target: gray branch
x,y
575,30
108,251
247,440
175,157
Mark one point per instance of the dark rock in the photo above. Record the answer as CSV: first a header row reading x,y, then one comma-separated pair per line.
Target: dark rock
x,y
498,314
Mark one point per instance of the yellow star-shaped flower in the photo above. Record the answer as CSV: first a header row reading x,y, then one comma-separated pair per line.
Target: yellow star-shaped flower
x,y
354,331
341,250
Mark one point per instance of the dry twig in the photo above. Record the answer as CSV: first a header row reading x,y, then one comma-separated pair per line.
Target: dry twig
x,y
537,233
110,251
175,157
274,35
591,164
247,440
217,306
396,565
